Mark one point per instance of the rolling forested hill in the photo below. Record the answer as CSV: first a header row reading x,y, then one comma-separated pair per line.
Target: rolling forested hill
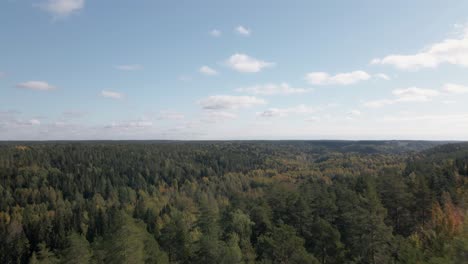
x,y
234,202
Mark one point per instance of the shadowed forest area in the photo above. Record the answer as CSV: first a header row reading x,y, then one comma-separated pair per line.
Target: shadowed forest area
x,y
234,202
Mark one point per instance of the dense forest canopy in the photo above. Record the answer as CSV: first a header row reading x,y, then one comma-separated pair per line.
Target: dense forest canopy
x,y
234,202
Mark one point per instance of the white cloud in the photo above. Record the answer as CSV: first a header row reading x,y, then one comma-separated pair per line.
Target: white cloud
x,y
219,102
35,85
245,63
312,119
458,26
414,94
281,112
451,51
130,124
12,121
436,117
355,113
215,33
62,8
243,31
111,94
73,114
382,76
129,67
323,78
34,122
409,62
272,89
170,115
217,116
411,94
455,88
207,71
449,102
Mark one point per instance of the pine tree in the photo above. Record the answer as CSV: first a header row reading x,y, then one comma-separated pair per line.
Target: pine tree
x,y
282,245
131,243
77,251
232,253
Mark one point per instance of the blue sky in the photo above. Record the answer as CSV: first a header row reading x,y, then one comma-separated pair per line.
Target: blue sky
x,y
147,69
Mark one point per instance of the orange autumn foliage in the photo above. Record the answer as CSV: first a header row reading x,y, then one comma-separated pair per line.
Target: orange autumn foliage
x,y
446,220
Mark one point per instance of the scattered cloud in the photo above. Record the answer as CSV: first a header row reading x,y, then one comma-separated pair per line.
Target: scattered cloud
x,y
217,116
379,103
449,51
112,94
429,117
272,89
449,102
323,78
382,76
247,64
219,102
414,94
207,71
131,124
354,113
312,119
13,122
241,30
73,114
411,94
452,88
35,85
282,112
34,122
215,33
31,122
62,8
170,115
129,67
459,26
